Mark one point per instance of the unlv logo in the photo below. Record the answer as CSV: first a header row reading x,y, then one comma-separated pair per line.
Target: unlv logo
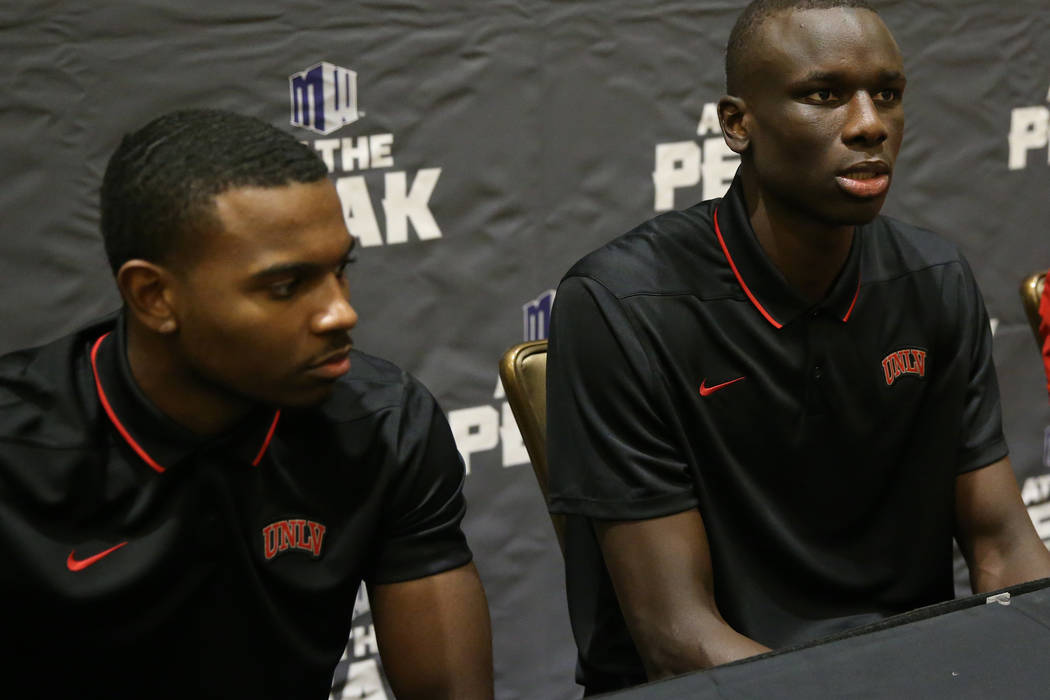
x,y
908,361
288,535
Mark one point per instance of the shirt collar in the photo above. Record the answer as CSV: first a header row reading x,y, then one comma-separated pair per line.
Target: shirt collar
x,y
763,283
158,440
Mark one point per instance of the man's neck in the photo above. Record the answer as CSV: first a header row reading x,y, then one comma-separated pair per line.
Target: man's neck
x,y
808,253
175,389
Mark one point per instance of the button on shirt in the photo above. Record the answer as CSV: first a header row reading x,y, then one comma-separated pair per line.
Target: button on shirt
x,y
140,560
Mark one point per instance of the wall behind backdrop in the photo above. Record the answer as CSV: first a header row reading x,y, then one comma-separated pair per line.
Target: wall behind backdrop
x,y
479,148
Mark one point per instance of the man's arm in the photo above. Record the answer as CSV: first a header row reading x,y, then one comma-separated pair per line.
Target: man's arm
x,y
661,571
434,636
995,534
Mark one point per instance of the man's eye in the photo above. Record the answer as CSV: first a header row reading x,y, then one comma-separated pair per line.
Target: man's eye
x,y
888,95
284,289
349,260
821,96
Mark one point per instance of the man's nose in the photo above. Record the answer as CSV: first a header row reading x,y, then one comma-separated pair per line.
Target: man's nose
x,y
337,313
865,124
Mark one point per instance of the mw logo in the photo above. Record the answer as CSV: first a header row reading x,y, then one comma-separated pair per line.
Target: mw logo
x,y
323,97
536,315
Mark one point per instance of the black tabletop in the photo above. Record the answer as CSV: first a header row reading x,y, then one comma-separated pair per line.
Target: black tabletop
x,y
985,646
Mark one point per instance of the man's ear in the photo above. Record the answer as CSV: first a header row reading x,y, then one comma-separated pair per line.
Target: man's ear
x,y
148,293
733,118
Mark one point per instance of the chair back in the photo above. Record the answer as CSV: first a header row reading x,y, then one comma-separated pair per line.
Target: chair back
x,y
523,371
1031,292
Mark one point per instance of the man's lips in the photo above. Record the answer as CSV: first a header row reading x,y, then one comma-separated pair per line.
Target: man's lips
x,y
333,365
867,179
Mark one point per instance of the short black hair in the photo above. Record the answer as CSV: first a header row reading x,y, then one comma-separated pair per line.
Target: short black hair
x,y
161,182
757,12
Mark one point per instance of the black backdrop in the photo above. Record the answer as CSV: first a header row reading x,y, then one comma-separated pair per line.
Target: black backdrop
x,y
489,146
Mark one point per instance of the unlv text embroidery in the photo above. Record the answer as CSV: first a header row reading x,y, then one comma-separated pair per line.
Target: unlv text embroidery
x,y
286,535
908,361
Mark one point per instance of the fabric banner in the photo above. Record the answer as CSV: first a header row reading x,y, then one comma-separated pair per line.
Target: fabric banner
x,y
479,149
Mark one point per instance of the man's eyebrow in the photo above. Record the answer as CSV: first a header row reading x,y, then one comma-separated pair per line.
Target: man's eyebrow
x,y
300,269
821,77
292,269
891,76
884,76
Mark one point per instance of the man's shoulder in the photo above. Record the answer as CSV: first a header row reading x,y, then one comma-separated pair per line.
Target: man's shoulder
x,y
898,248
659,256
45,391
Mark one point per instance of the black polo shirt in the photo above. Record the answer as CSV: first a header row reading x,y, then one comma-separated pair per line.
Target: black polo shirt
x,y
820,442
139,560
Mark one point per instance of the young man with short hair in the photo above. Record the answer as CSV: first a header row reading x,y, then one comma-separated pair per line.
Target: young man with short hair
x,y
769,414
192,491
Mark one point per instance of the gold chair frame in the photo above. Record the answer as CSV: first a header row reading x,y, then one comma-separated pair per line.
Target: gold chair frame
x,y
1031,292
523,371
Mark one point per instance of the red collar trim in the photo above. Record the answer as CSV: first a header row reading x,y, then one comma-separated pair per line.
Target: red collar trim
x,y
743,284
747,290
853,303
113,416
139,450
269,436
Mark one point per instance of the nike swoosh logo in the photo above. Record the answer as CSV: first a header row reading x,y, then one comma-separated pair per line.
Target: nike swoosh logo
x,y
708,390
74,564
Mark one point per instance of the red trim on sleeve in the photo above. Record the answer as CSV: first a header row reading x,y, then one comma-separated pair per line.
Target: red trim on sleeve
x,y
747,291
113,416
269,436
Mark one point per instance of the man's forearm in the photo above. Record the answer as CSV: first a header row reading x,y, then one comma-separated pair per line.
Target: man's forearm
x,y
1024,559
995,532
694,646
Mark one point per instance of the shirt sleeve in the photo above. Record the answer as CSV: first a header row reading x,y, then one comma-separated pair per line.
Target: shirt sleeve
x,y
981,440
609,449
422,529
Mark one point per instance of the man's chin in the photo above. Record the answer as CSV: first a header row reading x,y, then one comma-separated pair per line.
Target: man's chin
x,y
857,212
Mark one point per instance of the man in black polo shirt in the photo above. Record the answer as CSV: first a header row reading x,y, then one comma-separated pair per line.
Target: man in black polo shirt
x,y
192,491
770,413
